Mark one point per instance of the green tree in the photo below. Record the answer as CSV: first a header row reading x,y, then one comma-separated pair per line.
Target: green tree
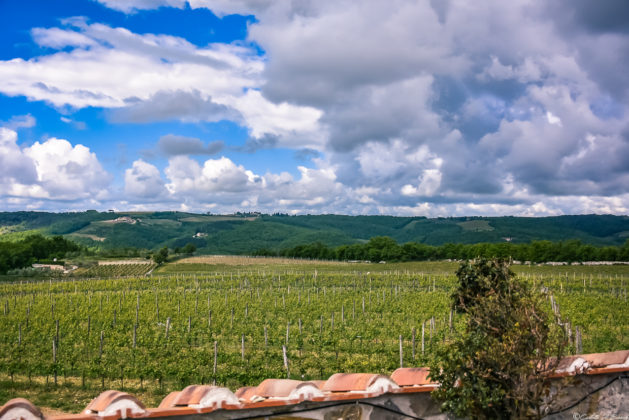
x,y
189,248
161,256
499,367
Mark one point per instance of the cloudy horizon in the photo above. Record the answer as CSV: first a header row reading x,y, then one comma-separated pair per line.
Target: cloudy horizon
x,y
412,108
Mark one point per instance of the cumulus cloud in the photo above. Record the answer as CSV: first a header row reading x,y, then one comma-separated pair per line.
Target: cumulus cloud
x,y
429,182
65,171
51,170
223,186
15,166
144,181
293,126
215,176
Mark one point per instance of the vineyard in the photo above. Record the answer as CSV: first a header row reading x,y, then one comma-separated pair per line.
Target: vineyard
x,y
117,270
232,327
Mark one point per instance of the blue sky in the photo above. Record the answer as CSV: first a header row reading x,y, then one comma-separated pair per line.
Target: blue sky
x,y
432,108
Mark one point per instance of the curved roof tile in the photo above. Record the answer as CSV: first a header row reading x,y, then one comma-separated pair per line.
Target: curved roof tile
x,y
363,382
112,402
412,376
288,388
20,408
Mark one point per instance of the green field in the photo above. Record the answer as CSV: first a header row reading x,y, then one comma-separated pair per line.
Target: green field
x,y
333,317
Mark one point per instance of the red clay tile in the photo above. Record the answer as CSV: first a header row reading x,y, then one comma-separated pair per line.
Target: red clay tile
x,y
109,403
365,382
199,396
80,416
263,403
248,394
598,371
288,388
572,365
191,395
417,389
168,400
171,411
411,376
204,396
20,408
318,383
612,359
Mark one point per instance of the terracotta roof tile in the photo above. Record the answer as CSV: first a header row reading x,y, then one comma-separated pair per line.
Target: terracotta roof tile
x,y
411,376
204,396
244,392
593,363
111,402
365,382
169,399
191,395
572,365
318,383
288,388
172,411
248,394
19,408
610,360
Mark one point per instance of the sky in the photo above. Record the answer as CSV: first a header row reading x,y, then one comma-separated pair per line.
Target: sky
x,y
430,108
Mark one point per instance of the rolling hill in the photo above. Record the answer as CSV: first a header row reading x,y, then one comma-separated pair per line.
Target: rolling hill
x,y
245,233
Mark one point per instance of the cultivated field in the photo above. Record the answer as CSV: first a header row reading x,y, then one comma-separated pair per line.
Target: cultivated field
x,y
236,260
150,335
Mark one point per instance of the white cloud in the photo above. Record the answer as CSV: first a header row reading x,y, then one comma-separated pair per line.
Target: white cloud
x,y
124,67
59,38
429,183
52,170
395,158
15,167
295,126
19,121
226,186
220,176
66,172
132,6
553,119
143,180
155,77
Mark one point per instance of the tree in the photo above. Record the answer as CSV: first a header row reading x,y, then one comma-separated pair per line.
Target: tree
x,y
499,367
161,256
189,248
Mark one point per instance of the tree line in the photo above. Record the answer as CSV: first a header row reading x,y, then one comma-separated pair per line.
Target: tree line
x,y
33,249
383,248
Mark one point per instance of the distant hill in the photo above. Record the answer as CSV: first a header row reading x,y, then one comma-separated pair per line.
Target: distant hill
x,y
245,233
